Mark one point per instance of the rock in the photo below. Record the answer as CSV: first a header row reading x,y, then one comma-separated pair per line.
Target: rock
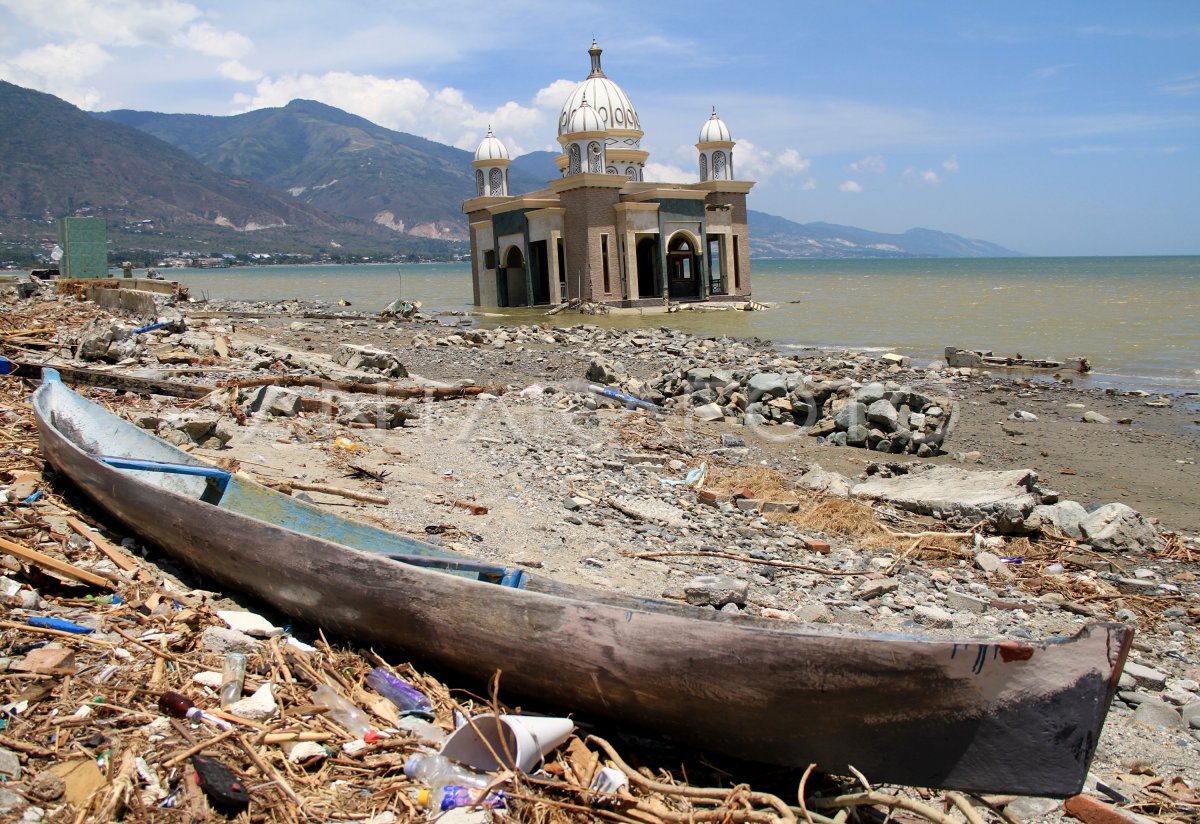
x,y
222,641
260,706
1066,517
873,589
1030,807
852,414
962,601
1022,415
1157,714
647,509
384,414
1094,417
716,591
990,563
10,802
932,616
368,358
1145,676
856,435
1091,810
1119,528
708,412
249,623
829,483
603,370
1191,715
46,786
870,393
945,491
883,414
766,384
275,400
10,766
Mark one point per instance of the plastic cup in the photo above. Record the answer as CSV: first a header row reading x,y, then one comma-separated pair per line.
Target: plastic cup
x,y
489,742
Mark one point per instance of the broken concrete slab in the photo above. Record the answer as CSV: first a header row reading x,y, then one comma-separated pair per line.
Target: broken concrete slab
x,y
1119,528
950,492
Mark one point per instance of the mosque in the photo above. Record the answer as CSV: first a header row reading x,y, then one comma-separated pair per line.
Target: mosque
x,y
600,232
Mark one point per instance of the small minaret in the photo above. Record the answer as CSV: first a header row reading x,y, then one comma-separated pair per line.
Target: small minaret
x,y
584,141
716,150
491,167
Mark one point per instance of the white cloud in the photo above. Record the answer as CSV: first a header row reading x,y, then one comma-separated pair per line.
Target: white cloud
x,y
808,185
1185,86
59,70
109,22
554,95
666,173
753,163
950,164
850,186
234,70
928,176
206,39
407,105
871,163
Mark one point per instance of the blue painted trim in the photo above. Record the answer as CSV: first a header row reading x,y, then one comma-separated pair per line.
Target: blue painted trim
x,y
163,466
489,573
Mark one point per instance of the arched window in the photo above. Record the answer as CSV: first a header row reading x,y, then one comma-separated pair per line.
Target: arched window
x,y
574,166
703,167
718,165
496,182
594,160
631,173
479,182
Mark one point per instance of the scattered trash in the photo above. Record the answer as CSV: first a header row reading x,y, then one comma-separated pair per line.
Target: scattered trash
x,y
233,674
180,706
221,785
340,710
449,797
525,739
410,700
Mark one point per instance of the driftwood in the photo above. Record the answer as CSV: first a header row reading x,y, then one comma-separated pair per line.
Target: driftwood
x,y
115,380
383,389
47,562
286,487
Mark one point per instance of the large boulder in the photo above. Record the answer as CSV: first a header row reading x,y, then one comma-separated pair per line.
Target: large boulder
x,y
1066,517
1119,528
768,385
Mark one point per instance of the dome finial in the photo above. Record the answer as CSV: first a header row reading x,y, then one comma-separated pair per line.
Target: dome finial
x,y
595,51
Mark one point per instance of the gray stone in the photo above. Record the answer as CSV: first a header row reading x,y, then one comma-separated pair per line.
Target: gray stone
x,y
732,440
883,414
873,589
768,384
962,601
647,509
389,414
1094,417
829,483
603,370
368,358
1030,807
813,614
10,765
932,616
1022,415
260,706
870,393
1066,517
1158,714
275,400
990,563
1135,698
1191,715
1146,676
10,802
945,491
856,435
708,412
1119,528
222,641
716,591
852,414
47,786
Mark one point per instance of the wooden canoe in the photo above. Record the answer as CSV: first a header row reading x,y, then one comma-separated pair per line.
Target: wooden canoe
x,y
1005,716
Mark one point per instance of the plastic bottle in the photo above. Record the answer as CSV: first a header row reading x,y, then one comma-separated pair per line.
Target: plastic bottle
x,y
452,796
404,696
437,771
233,676
340,710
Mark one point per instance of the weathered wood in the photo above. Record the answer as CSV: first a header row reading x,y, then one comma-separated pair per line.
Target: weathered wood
x,y
61,567
286,487
116,380
115,555
382,389
1012,716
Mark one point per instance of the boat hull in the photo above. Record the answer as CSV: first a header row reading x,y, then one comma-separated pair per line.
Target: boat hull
x,y
1000,716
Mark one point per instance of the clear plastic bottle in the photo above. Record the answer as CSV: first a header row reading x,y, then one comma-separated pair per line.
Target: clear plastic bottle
x,y
436,771
449,797
342,711
233,676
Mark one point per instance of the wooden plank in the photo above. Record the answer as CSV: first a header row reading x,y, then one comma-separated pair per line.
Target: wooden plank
x,y
115,555
62,567
115,380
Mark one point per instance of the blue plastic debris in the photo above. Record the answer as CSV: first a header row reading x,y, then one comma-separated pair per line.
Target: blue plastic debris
x,y
60,625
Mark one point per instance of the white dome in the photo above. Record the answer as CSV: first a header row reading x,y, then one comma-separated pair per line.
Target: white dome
x,y
715,130
584,119
490,148
607,100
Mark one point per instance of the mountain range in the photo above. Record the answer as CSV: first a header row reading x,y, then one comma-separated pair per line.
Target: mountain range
x,y
303,178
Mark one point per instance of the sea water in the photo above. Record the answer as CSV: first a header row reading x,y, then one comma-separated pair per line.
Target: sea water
x,y
1137,319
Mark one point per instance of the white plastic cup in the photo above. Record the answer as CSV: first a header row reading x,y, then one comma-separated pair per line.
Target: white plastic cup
x,y
489,742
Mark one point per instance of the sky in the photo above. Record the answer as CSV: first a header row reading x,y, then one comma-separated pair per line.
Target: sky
x,y
1051,128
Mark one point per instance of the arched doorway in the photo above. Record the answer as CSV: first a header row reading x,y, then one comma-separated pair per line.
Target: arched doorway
x,y
647,256
513,274
683,268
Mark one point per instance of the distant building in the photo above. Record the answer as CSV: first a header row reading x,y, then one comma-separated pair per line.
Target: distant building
x,y
84,241
600,232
